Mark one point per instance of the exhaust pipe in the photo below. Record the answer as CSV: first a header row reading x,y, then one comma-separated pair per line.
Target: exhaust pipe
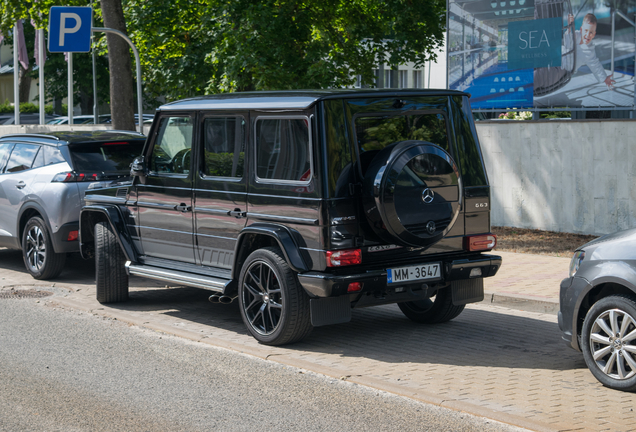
x,y
218,298
226,299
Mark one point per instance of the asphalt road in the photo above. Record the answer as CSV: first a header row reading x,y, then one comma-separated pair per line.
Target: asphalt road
x,y
63,370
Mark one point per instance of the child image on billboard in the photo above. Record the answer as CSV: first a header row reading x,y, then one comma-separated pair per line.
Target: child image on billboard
x,y
585,51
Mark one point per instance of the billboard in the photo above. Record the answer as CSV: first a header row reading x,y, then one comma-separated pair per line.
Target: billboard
x,y
542,53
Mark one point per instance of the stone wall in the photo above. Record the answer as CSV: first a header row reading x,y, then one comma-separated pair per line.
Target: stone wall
x,y
572,176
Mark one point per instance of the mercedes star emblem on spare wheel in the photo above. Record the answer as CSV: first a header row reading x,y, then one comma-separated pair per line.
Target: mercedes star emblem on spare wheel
x,y
428,195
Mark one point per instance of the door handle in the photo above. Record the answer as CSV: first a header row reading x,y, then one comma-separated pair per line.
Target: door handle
x,y
237,213
183,207
20,184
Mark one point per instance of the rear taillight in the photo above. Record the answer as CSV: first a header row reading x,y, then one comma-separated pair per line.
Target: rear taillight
x,y
344,257
480,242
68,177
72,235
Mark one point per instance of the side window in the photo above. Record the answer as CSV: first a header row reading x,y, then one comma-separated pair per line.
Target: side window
x,y
223,146
5,150
39,159
22,157
172,150
52,155
283,149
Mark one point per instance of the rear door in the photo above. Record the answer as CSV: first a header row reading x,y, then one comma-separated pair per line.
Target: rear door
x,y
220,191
165,199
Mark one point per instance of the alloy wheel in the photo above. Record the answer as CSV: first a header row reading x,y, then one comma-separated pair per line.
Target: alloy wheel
x,y
36,248
612,344
262,298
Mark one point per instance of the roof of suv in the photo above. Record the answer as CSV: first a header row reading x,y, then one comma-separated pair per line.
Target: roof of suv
x,y
292,99
70,137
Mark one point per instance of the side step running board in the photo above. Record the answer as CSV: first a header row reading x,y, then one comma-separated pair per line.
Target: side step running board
x,y
181,278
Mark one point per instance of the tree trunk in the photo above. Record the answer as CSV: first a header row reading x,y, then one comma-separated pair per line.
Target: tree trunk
x,y
24,81
121,80
86,103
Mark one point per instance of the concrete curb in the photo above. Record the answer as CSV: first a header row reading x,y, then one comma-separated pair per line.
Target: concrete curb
x,y
523,302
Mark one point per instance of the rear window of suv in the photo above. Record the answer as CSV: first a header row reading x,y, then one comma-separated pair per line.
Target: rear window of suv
x,y
105,157
376,132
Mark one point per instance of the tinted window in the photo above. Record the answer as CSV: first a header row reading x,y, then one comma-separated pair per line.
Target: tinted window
x,y
52,155
224,146
22,157
171,153
107,157
376,132
5,150
282,149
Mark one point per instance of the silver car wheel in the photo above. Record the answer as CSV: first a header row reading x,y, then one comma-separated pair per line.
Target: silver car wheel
x,y
611,344
36,248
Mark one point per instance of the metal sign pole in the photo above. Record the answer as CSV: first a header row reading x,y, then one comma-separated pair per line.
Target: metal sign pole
x,y
95,104
134,48
41,75
70,89
16,77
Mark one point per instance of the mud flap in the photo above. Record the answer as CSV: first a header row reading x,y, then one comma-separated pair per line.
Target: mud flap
x,y
330,310
467,291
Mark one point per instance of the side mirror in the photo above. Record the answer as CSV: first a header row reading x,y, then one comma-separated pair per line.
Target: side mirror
x,y
138,168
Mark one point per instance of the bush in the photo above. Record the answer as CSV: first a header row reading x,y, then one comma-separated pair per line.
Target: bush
x,y
28,108
516,115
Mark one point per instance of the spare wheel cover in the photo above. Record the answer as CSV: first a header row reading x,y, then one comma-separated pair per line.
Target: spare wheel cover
x,y
414,197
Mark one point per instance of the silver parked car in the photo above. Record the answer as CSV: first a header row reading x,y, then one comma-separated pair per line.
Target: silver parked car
x,y
42,183
598,308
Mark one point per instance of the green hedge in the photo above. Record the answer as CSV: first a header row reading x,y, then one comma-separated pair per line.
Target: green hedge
x,y
28,108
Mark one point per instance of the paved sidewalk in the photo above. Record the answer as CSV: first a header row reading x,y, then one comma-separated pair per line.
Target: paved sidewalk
x,y
527,282
504,363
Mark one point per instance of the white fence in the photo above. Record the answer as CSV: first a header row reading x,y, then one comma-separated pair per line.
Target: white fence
x,y
574,176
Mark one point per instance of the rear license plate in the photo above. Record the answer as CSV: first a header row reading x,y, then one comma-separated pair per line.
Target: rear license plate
x,y
413,273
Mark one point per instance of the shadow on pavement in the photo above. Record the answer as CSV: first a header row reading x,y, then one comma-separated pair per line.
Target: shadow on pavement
x,y
478,337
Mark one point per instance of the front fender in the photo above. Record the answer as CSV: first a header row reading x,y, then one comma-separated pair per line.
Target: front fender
x,y
92,214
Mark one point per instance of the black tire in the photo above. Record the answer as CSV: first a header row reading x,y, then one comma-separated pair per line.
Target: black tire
x,y
432,311
110,272
40,259
608,354
274,307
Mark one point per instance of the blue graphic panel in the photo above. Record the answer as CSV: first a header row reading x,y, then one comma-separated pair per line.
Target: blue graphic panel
x,y
70,29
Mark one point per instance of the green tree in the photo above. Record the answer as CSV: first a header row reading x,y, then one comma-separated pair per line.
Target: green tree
x,y
121,93
210,46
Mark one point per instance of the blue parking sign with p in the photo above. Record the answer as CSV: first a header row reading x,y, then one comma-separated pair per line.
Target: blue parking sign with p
x,y
70,29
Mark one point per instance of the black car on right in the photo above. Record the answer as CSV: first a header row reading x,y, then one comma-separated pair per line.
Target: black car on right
x,y
598,308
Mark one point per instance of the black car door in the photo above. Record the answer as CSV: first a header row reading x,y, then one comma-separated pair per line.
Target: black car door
x,y
165,198
220,187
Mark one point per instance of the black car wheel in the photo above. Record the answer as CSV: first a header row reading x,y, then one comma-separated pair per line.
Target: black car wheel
x,y
40,259
273,305
435,310
608,341
110,272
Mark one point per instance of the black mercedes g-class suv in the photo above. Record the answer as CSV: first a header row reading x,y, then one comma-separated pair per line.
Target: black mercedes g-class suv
x,y
303,205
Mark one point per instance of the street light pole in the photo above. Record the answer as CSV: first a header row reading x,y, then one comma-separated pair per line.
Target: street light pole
x,y
134,48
